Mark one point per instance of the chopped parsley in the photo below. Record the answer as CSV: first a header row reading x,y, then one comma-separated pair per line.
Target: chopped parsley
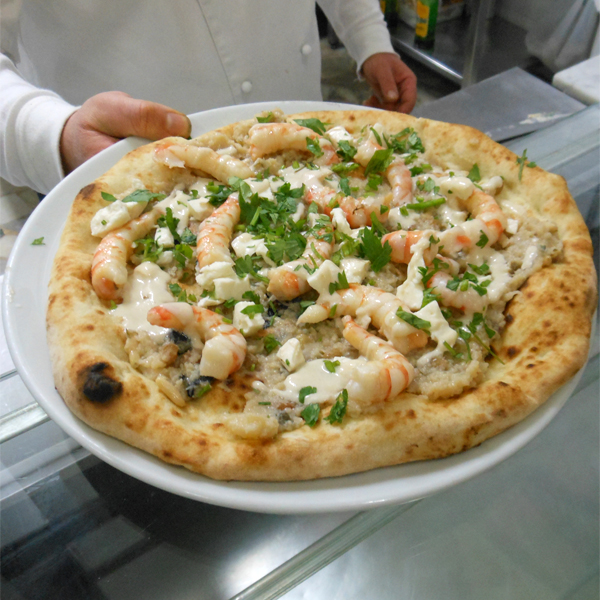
x,y
38,242
474,174
523,162
270,343
311,414
346,151
425,204
252,310
379,162
338,410
483,240
315,124
341,284
371,247
306,391
413,320
331,365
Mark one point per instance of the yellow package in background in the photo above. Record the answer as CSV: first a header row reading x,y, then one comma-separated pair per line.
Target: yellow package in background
x,y
448,9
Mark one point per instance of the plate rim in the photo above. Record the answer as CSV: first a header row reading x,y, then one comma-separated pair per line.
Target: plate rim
x,y
380,487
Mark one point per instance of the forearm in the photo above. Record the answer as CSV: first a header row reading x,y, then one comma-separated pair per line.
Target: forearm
x,y
31,122
360,26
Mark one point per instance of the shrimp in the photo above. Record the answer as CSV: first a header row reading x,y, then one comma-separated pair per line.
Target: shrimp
x,y
289,281
358,211
485,228
109,264
386,374
397,173
370,304
467,301
187,155
400,180
214,235
268,138
403,245
225,347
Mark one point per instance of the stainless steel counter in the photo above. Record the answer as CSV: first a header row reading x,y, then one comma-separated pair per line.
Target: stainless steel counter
x,y
73,527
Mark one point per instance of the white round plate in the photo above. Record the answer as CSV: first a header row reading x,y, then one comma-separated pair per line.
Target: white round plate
x,y
25,295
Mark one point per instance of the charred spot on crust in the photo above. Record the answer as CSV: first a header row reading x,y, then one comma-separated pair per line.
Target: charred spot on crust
x,y
512,351
98,386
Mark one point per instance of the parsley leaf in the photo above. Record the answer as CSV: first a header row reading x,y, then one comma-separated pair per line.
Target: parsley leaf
x,y
108,197
270,343
306,391
338,410
522,162
425,205
311,414
379,162
253,309
143,196
330,365
474,174
413,320
38,242
315,124
346,151
373,250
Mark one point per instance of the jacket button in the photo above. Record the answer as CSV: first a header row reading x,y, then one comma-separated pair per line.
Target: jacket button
x,y
306,49
247,87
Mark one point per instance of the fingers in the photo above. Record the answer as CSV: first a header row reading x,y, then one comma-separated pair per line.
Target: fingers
x,y
108,117
394,84
118,115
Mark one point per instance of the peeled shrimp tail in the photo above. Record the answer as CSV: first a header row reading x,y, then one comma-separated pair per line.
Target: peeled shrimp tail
x,y
403,245
467,301
109,264
184,154
216,232
268,138
386,374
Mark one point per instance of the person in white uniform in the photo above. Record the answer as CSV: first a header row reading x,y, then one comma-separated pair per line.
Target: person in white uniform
x,y
61,58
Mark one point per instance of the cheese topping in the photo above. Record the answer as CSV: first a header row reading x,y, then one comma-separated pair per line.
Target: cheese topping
x,y
315,374
145,288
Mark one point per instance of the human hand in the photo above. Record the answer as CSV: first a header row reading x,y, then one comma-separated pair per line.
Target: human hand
x,y
108,117
394,84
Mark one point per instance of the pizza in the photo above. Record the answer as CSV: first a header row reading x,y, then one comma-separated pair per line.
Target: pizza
x,y
294,297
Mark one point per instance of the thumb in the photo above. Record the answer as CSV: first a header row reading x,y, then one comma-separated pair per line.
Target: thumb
x,y
119,115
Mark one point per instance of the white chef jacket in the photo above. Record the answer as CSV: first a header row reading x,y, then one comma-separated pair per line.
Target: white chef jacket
x,y
190,55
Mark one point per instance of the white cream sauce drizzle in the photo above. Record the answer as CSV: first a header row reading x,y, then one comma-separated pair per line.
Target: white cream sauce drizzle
x,y
145,288
315,374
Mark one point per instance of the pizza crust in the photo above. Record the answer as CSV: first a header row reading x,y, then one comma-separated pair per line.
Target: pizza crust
x,y
543,345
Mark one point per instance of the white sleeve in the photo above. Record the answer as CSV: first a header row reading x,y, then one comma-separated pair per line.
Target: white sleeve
x,y
360,26
31,122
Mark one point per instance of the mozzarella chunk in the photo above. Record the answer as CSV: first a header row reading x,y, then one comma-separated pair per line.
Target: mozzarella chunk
x,y
200,208
326,273
291,355
163,237
216,270
247,324
231,287
356,269
115,215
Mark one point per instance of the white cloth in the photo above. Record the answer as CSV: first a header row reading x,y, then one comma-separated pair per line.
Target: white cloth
x,y
189,55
